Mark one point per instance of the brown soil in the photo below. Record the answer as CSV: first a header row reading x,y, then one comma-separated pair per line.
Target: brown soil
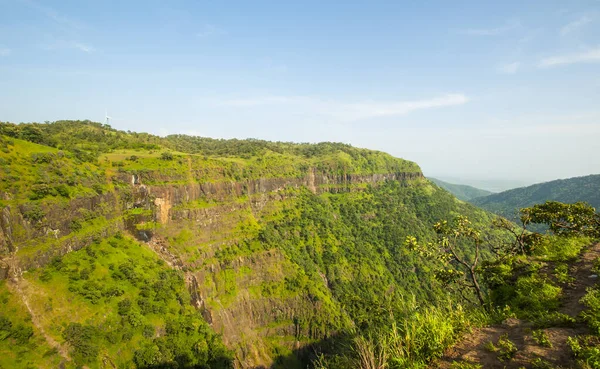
x,y
475,348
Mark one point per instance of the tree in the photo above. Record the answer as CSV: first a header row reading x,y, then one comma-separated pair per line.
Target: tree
x,y
454,267
524,241
462,269
564,219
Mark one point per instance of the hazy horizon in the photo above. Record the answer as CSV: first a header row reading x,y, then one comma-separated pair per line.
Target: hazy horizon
x,y
502,91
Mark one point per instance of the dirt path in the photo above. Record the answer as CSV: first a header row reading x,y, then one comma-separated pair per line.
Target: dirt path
x,y
475,347
582,272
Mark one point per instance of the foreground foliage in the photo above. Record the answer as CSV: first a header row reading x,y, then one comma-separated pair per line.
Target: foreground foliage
x,y
516,282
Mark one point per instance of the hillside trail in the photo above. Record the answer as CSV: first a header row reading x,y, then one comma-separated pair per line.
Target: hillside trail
x,y
584,278
475,347
21,287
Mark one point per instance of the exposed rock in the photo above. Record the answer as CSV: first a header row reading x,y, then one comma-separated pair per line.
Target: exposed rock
x,y
154,213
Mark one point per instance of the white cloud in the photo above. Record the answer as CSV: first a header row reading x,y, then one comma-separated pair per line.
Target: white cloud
x,y
64,44
4,51
344,111
588,56
53,14
262,100
510,68
83,47
209,30
576,24
490,31
381,109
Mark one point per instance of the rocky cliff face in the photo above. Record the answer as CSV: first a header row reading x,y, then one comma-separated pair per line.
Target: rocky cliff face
x,y
192,226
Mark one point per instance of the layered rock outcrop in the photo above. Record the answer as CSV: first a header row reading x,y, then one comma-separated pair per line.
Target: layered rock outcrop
x,y
163,215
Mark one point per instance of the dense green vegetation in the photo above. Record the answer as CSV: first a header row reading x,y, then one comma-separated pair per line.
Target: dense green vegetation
x,y
523,283
344,263
285,250
356,240
87,141
462,192
21,344
508,203
116,302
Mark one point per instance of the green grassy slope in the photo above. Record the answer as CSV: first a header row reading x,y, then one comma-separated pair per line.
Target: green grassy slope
x,y
462,192
569,190
113,302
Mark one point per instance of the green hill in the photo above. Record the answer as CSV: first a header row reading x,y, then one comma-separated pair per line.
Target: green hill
x,y
462,192
569,190
124,249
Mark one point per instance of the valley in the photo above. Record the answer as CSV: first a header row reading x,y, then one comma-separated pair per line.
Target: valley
x,y
129,250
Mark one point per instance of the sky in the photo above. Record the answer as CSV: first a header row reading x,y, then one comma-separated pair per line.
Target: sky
x,y
467,89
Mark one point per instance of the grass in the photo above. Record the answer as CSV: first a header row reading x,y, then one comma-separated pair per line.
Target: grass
x,y
586,350
17,348
465,365
506,348
591,314
561,272
560,248
89,286
36,172
540,363
541,338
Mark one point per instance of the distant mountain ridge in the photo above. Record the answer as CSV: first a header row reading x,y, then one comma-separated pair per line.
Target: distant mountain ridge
x,y
569,190
494,185
462,192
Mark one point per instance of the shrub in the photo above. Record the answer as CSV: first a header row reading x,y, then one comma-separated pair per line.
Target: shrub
x,y
98,188
83,340
113,291
91,290
34,213
127,335
148,331
63,190
75,225
5,328
22,333
166,156
42,157
41,190
124,306
45,276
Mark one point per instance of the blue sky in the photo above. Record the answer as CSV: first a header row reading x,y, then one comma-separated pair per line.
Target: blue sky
x,y
467,89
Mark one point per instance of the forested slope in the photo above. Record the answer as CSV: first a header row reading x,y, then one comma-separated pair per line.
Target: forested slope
x,y
462,192
170,249
571,190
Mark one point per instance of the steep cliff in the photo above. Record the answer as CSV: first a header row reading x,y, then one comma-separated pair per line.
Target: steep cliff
x,y
281,246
